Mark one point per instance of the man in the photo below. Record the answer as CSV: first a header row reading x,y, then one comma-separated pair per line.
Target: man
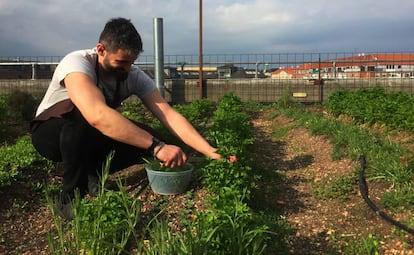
x,y
76,122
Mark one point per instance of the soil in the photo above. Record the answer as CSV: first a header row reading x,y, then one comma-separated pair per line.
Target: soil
x,y
320,226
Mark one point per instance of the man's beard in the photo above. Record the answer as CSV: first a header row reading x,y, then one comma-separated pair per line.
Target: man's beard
x,y
119,73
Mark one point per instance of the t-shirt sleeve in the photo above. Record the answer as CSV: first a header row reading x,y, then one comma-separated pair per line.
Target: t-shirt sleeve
x,y
75,62
141,84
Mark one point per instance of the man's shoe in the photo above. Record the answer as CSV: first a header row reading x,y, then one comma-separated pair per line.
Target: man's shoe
x,y
63,206
93,185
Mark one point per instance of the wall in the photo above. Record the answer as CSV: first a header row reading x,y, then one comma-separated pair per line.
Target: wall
x,y
31,86
258,90
271,90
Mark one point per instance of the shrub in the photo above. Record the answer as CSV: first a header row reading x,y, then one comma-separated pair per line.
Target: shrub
x,y
21,105
17,157
3,116
374,106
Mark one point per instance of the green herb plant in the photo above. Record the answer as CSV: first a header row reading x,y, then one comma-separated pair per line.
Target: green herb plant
x,y
103,225
228,225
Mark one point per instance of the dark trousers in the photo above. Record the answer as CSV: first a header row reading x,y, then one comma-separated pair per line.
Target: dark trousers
x,y
82,149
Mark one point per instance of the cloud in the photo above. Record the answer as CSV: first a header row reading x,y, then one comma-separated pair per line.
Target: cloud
x,y
47,27
264,26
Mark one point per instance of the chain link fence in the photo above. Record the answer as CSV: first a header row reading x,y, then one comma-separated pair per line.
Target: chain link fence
x,y
306,77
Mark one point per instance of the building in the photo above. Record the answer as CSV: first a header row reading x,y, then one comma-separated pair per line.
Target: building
x,y
386,65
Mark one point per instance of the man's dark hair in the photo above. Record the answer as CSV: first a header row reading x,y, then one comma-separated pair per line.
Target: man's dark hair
x,y
120,33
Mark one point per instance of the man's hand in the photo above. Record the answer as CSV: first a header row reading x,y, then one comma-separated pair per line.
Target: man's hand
x,y
233,159
217,156
171,156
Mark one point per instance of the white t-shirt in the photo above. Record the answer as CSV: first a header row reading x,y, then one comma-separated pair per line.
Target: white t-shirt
x,y
138,83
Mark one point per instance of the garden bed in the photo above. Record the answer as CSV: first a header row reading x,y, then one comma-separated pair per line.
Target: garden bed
x,y
294,164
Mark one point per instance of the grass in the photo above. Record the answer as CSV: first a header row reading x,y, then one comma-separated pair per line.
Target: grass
x,y
368,245
279,132
340,188
352,141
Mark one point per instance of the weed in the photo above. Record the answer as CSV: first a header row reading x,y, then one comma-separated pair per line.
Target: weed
x,y
279,132
285,99
401,195
19,204
339,188
368,246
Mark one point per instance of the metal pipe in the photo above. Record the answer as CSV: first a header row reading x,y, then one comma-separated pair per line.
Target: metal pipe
x,y
159,55
33,71
256,74
200,53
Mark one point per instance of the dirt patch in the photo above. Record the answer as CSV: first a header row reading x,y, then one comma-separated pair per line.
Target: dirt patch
x,y
319,223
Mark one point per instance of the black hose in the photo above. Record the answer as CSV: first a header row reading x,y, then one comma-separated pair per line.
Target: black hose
x,y
363,187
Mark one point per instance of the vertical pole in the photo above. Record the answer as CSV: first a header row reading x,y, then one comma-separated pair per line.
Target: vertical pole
x,y
256,74
200,53
159,54
320,81
319,67
33,71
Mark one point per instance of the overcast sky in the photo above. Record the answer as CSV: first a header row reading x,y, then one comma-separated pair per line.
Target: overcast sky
x,y
56,27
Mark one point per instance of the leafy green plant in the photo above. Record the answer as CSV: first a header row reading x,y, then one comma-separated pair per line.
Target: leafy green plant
x,y
7,177
16,109
374,106
231,128
134,111
106,222
223,173
236,229
22,105
103,225
198,112
17,157
227,227
194,240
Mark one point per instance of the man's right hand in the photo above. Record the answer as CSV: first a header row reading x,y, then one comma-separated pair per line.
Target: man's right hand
x,y
171,156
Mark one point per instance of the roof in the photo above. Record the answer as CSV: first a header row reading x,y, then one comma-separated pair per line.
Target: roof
x,y
377,59
359,60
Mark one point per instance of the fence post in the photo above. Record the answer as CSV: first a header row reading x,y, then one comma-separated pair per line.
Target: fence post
x,y
200,49
159,54
33,71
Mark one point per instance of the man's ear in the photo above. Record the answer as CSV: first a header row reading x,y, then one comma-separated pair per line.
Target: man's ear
x,y
100,48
